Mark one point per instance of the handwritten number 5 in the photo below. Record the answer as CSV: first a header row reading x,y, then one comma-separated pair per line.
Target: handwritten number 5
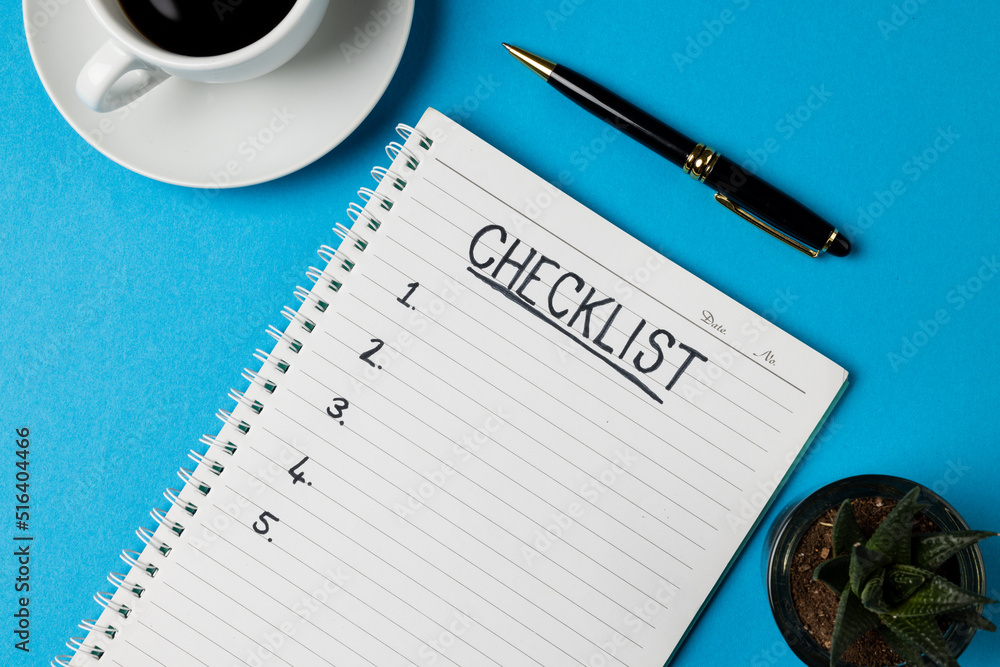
x,y
262,530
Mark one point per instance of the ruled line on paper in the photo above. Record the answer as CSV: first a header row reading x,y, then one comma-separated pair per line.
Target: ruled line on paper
x,y
151,657
659,576
625,609
488,546
231,626
668,416
371,414
597,317
588,612
278,602
638,288
198,632
580,387
354,571
530,436
268,622
545,391
395,404
501,500
727,371
348,538
348,510
543,446
417,229
403,437
618,369
576,386
174,644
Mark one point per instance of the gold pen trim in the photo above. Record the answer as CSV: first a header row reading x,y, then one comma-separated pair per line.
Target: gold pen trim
x,y
700,162
536,64
764,227
829,241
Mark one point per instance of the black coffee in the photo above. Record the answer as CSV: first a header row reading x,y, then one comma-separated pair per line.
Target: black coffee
x,y
205,27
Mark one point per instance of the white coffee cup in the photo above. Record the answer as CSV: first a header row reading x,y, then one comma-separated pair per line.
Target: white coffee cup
x,y
129,65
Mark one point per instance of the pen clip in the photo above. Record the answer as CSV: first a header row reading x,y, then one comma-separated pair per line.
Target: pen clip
x,y
763,226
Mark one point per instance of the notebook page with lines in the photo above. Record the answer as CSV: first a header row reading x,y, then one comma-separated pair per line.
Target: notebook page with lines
x,y
497,431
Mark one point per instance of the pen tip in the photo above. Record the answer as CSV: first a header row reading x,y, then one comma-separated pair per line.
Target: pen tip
x,y
840,247
536,64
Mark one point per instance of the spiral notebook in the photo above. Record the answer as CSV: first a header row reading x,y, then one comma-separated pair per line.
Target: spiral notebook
x,y
496,431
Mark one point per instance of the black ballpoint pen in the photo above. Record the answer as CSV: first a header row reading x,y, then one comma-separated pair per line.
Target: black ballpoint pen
x,y
741,192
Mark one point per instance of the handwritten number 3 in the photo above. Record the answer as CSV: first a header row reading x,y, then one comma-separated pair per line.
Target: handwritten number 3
x,y
339,405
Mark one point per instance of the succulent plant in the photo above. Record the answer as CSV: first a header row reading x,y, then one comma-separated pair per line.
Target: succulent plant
x,y
888,582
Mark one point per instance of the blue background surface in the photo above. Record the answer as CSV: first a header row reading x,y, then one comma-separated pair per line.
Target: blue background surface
x,y
129,306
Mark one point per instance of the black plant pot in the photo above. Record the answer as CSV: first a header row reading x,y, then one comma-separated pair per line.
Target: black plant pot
x,y
795,520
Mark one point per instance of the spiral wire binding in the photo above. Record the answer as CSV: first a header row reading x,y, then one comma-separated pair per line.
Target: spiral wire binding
x,y
187,476
405,131
267,357
174,496
77,644
303,295
293,315
381,173
395,149
117,580
145,535
160,517
260,380
106,601
356,211
214,466
240,397
271,363
93,626
367,194
278,335
316,275
134,558
348,234
214,441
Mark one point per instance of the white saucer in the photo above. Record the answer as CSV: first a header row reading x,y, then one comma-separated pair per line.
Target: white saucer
x,y
228,135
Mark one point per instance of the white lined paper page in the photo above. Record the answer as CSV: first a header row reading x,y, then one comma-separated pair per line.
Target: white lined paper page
x,y
497,483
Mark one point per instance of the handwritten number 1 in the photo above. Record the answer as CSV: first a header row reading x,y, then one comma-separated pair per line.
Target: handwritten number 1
x,y
366,356
413,288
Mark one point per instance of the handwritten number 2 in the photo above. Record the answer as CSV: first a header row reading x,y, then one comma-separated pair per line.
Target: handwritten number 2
x,y
367,356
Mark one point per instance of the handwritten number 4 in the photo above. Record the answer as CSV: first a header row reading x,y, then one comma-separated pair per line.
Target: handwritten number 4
x,y
297,476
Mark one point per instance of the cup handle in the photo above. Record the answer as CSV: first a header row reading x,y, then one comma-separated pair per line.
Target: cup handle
x,y
114,77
